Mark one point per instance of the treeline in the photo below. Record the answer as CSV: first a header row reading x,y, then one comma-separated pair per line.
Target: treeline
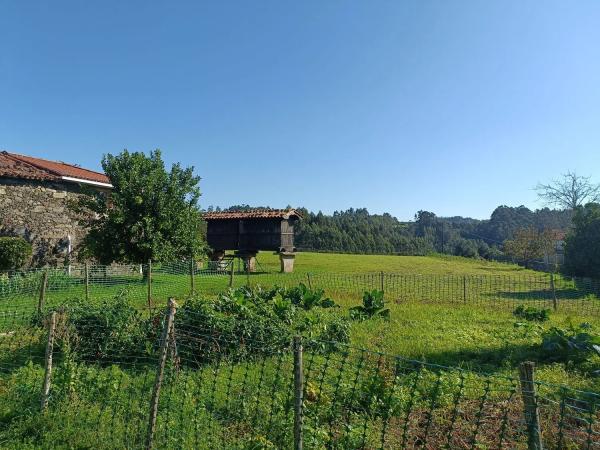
x,y
358,231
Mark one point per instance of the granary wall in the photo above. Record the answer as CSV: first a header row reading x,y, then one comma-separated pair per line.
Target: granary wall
x,y
38,212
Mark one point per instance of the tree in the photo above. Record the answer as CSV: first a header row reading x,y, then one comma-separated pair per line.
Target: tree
x,y
530,244
582,245
570,192
149,214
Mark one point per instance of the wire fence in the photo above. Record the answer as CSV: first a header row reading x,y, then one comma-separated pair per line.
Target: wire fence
x,y
182,386
148,283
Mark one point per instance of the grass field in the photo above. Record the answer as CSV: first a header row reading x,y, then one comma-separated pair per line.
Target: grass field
x,y
413,265
247,405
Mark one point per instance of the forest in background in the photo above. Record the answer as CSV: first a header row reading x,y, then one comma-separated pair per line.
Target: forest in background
x,y
358,231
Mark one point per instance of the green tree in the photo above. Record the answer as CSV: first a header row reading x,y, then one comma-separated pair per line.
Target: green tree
x,y
582,245
150,213
530,244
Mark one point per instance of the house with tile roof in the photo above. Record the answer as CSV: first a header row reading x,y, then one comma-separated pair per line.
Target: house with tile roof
x,y
34,196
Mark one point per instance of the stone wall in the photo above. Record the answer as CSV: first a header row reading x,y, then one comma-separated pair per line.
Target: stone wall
x,y
38,212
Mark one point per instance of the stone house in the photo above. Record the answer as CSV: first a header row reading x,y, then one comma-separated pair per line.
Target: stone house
x,y
33,204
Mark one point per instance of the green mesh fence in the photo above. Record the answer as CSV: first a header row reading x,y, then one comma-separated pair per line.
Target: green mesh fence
x,y
149,285
228,391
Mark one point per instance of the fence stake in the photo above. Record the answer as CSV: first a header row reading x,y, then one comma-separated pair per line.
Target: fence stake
x,y
309,281
149,280
553,288
87,281
248,273
298,393
162,357
43,286
532,416
48,362
381,280
464,288
192,281
231,272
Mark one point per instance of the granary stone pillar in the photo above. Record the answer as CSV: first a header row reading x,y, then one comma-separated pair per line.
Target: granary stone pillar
x,y
249,259
287,261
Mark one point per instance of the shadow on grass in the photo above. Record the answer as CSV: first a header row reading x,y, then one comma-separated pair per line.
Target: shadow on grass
x,y
488,360
541,294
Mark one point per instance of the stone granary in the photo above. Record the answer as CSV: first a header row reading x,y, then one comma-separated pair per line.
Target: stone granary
x,y
33,203
247,232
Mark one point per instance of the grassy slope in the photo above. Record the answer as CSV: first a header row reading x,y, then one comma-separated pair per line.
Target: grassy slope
x,y
438,264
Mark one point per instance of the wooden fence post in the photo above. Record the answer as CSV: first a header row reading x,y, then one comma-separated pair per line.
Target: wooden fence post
x,y
553,289
231,272
192,281
309,281
465,288
162,358
149,280
48,362
87,281
42,299
247,263
381,280
298,393
532,416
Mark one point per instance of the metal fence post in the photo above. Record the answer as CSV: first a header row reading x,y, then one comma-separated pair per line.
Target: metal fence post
x,y
532,416
42,299
231,272
553,289
192,280
48,362
149,280
162,358
298,393
87,281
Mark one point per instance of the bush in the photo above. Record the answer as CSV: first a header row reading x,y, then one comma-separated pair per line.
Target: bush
x,y
532,314
112,330
373,305
576,343
15,252
246,322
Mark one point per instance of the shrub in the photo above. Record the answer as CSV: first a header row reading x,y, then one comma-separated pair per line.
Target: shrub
x,y
112,330
15,252
245,322
532,314
307,298
373,305
575,343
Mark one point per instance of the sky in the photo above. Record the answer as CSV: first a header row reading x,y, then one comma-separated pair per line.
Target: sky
x,y
454,107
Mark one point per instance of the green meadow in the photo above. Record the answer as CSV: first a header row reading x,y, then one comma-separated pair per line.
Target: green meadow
x,y
453,385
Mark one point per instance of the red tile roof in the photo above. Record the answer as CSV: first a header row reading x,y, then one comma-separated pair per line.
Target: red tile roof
x,y
20,166
253,214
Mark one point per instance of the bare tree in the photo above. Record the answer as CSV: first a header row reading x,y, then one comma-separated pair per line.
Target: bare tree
x,y
569,192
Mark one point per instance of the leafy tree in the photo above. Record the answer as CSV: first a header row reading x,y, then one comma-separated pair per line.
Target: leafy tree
x,y
150,213
582,245
530,244
569,192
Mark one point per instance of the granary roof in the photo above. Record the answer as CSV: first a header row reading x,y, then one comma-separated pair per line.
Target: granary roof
x,y
253,214
14,165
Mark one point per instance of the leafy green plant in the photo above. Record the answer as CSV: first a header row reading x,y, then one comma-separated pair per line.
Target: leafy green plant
x,y
373,305
15,252
575,343
532,314
307,298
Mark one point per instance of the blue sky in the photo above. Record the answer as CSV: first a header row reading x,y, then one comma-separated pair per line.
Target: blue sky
x,y
450,106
